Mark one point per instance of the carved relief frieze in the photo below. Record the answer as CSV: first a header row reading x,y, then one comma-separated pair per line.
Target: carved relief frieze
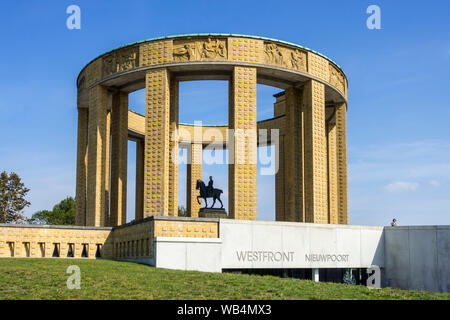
x,y
200,50
337,78
120,61
285,57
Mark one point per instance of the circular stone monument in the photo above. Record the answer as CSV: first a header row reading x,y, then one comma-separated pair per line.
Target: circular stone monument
x,y
309,114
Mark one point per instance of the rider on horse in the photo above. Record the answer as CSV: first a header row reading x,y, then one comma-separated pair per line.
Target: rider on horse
x,y
210,187
208,192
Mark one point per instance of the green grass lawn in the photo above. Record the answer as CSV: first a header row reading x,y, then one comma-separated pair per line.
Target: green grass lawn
x,y
105,279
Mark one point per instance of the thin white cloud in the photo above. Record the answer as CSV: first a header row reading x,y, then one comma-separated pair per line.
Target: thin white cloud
x,y
416,161
435,183
400,186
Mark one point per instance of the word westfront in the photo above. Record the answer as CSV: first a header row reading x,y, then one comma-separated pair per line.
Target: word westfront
x,y
265,256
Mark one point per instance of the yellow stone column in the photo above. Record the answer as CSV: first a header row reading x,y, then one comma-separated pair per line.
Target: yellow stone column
x,y
293,156
279,183
242,144
139,203
119,155
49,247
64,249
34,250
173,148
96,157
81,178
332,173
279,109
315,153
107,166
78,249
92,248
18,249
193,173
156,166
341,146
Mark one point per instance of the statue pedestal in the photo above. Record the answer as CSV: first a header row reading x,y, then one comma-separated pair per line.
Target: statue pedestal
x,y
212,213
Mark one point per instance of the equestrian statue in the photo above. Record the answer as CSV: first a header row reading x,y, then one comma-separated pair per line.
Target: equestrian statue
x,y
208,192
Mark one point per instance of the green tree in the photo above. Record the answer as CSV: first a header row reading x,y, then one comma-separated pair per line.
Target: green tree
x,y
62,214
182,212
12,198
348,277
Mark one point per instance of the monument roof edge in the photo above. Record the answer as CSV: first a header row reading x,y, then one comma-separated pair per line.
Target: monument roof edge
x,y
214,35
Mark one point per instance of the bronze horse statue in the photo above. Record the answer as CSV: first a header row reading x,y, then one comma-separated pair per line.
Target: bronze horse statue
x,y
215,194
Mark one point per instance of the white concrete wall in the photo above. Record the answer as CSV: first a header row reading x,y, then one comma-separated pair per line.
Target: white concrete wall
x,y
201,254
362,245
410,257
417,257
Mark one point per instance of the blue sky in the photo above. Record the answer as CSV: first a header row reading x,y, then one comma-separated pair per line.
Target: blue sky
x,y
398,132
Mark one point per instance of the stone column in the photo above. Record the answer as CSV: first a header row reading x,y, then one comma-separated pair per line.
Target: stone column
x,y
279,109
34,250
193,173
315,274
332,173
139,203
49,247
242,144
315,153
173,149
341,147
18,250
82,142
92,248
119,156
156,166
63,249
107,165
294,156
279,183
95,211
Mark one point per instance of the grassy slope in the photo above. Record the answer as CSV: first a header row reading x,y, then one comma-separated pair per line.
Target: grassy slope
x,y
103,279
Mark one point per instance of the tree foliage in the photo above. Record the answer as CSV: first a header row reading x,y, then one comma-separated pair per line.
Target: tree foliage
x,y
348,277
12,198
62,214
182,212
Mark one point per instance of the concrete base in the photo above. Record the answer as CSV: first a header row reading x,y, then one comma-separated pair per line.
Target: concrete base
x,y
200,254
417,258
407,257
315,274
212,213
